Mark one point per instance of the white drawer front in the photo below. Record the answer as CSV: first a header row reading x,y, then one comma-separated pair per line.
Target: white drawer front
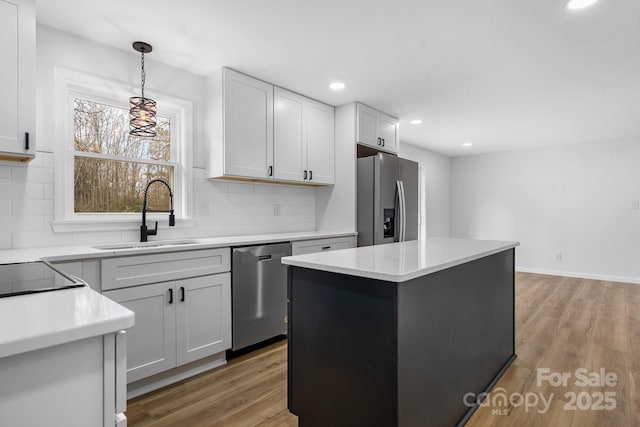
x,y
139,270
322,245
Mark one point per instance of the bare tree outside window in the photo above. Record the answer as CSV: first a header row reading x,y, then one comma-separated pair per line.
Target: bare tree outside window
x,y
112,168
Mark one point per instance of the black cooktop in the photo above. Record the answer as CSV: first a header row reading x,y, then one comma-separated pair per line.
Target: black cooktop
x,y
33,277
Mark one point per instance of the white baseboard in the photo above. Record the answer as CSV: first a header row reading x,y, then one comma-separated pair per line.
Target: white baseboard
x,y
145,385
633,280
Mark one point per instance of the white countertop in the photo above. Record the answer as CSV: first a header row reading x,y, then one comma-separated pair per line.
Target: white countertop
x,y
35,321
399,262
67,253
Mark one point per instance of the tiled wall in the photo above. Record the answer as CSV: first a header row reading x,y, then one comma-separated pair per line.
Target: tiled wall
x,y
219,209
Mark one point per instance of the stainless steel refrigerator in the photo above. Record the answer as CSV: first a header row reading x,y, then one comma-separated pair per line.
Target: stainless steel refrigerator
x,y
387,196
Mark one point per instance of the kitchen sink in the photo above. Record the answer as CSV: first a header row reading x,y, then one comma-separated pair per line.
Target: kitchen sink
x,y
142,245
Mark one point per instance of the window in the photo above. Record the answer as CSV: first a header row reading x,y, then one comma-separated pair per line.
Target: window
x,y
101,171
111,168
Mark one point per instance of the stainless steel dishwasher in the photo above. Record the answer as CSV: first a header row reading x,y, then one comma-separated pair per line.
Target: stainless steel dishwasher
x,y
259,293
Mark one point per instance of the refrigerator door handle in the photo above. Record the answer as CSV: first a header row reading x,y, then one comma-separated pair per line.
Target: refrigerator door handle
x,y
398,232
403,212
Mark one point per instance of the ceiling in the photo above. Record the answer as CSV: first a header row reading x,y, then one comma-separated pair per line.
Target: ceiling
x,y
502,74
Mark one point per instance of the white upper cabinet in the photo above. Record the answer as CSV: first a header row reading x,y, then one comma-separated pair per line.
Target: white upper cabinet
x,y
248,126
17,79
320,142
268,134
303,139
289,130
377,129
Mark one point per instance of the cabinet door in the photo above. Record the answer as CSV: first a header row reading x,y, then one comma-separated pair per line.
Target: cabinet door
x,y
289,128
203,313
320,142
248,126
389,133
17,78
151,342
367,126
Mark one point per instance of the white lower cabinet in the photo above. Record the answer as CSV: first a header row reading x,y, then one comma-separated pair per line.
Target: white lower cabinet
x,y
203,317
79,383
177,322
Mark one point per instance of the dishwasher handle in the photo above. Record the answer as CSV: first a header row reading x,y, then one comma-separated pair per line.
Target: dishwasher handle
x,y
264,257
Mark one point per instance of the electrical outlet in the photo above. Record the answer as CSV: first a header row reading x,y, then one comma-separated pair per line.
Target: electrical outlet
x,y
559,257
635,205
276,209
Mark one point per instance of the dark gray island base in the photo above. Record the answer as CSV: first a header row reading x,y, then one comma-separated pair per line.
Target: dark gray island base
x,y
369,352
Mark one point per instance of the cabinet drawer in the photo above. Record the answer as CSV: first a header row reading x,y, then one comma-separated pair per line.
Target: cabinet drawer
x,y
322,245
142,269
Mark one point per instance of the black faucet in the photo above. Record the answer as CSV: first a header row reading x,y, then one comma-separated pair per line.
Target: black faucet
x,y
172,219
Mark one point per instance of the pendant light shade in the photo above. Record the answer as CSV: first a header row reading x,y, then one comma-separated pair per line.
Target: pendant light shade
x,y
142,111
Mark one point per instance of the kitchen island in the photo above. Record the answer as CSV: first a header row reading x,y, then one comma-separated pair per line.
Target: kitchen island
x,y
398,334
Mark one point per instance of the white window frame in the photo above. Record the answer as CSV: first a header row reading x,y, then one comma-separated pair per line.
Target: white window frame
x,y
70,85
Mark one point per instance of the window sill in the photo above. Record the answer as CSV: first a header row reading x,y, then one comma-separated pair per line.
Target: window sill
x,y
79,225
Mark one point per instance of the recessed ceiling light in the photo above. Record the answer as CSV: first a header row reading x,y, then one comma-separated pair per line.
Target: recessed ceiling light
x,y
337,86
415,122
467,144
579,4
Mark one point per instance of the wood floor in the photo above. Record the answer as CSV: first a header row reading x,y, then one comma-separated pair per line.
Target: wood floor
x,y
562,324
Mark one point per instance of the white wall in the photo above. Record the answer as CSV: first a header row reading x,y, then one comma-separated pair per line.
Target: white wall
x,y
220,208
435,189
574,208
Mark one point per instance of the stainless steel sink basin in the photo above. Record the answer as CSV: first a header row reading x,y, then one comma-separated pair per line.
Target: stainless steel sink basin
x,y
142,245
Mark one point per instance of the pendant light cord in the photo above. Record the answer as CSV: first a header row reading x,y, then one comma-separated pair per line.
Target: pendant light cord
x,y
142,74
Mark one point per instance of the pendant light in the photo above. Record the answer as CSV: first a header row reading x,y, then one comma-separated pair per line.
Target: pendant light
x,y
142,111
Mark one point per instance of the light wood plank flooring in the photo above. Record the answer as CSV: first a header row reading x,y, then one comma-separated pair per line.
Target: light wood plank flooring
x,y
561,323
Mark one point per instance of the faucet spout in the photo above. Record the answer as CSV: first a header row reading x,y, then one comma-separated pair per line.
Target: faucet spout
x,y
144,232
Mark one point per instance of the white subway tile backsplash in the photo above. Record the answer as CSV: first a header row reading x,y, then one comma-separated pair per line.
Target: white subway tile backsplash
x,y
240,187
23,223
21,190
31,174
5,240
23,207
29,239
48,191
220,208
5,207
5,173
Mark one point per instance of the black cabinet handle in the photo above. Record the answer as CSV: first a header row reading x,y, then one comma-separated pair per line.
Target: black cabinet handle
x,y
181,293
379,141
383,142
305,175
26,140
310,175
324,248
270,171
170,296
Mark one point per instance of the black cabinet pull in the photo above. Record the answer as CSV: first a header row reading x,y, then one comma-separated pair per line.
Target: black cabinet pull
x,y
181,293
383,142
379,141
270,171
26,140
305,175
310,175
170,296
324,248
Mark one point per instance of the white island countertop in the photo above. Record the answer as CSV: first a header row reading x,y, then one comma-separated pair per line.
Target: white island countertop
x,y
34,321
399,262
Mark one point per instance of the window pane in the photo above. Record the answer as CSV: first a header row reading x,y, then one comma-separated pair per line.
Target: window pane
x,y
100,128
109,186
